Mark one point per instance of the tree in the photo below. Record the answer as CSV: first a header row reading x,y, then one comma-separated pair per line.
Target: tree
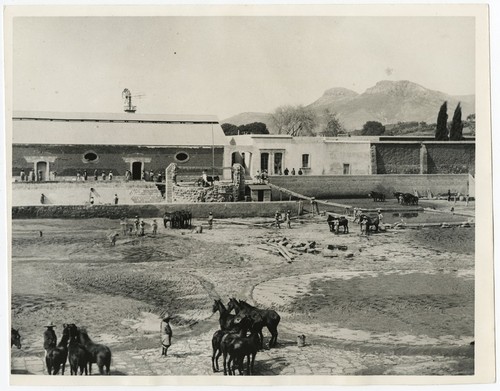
x,y
333,125
457,125
294,120
229,129
253,128
441,126
373,128
471,123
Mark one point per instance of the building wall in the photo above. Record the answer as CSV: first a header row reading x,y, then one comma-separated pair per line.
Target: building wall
x,y
344,186
446,158
68,159
398,158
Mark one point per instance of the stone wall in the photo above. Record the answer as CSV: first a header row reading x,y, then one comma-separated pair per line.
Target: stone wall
x,y
199,210
445,158
346,186
220,192
398,158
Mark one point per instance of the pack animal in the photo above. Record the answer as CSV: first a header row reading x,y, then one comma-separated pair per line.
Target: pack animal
x,y
15,338
257,322
336,222
57,356
98,354
79,357
370,222
377,196
271,320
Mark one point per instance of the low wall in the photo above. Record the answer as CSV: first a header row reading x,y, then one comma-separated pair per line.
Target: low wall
x,y
346,186
220,192
199,210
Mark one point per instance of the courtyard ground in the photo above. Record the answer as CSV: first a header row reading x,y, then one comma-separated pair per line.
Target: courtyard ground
x,y
400,302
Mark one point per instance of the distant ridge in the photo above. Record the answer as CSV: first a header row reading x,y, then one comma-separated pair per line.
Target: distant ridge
x,y
388,102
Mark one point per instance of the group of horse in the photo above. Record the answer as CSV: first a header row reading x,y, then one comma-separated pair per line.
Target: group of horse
x,y
336,222
240,334
82,352
406,198
179,219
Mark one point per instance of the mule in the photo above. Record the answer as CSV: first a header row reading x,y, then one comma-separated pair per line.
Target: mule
x,y
98,354
79,357
271,320
15,338
56,356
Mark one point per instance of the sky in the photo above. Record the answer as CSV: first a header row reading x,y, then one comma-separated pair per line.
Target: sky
x,y
228,65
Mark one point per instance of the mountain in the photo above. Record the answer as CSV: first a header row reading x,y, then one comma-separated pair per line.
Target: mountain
x,y
388,102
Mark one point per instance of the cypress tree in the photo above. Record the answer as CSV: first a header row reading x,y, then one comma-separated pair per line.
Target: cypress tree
x,y
457,125
441,127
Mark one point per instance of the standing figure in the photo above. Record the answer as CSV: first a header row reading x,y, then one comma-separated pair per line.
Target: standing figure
x,y
42,199
22,176
364,226
116,199
277,217
160,177
293,171
288,219
91,200
136,225
300,171
166,335
40,174
54,175
143,175
380,216
85,175
103,176
96,174
49,337
449,195
286,171
142,225
78,176
155,227
110,175
210,220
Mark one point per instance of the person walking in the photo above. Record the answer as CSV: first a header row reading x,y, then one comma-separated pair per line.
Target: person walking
x,y
49,337
210,220
155,227
166,335
116,199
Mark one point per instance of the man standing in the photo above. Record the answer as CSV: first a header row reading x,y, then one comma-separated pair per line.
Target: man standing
x,y
136,225
95,174
277,217
116,199
85,175
22,176
142,224
155,227
288,219
49,337
166,335
210,220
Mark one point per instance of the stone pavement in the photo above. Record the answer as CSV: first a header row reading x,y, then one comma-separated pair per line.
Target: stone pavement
x,y
193,357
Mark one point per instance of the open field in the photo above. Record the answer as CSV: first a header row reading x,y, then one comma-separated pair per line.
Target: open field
x,y
397,302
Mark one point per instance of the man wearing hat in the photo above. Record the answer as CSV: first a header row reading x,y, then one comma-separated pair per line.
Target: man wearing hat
x,y
166,335
49,337
210,220
288,219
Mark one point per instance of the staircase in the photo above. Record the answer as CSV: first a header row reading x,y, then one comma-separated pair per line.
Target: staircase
x,y
147,193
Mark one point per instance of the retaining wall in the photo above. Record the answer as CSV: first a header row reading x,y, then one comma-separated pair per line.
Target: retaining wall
x,y
199,210
346,186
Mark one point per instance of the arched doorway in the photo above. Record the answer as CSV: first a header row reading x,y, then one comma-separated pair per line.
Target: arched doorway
x,y
136,170
42,171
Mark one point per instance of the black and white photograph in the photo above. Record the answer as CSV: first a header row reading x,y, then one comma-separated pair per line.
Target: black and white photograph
x,y
293,192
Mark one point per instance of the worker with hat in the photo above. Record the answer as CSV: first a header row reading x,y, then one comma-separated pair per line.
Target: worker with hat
x,y
49,337
165,334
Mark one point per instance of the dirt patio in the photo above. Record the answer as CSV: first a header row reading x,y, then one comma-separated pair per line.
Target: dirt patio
x,y
395,302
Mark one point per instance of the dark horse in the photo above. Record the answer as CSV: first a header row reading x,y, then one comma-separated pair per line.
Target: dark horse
x,y
257,321
370,221
271,320
56,356
241,325
377,196
336,222
99,354
79,357
15,338
242,347
227,325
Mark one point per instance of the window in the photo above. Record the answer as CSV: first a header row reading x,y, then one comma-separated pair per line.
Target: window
x,y
90,157
182,157
264,161
347,169
305,161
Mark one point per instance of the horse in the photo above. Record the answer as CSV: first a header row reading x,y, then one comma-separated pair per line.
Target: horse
x,y
257,321
370,221
336,222
398,195
376,196
79,357
216,350
99,354
271,320
226,320
15,338
56,356
242,347
241,325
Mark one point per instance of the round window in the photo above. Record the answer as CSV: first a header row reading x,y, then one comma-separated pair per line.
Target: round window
x,y
182,157
90,157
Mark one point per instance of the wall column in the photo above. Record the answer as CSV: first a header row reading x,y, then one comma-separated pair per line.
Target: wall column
x,y
238,182
373,160
170,182
423,159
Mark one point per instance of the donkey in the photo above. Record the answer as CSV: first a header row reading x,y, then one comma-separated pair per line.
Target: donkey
x,y
99,354
56,356
15,338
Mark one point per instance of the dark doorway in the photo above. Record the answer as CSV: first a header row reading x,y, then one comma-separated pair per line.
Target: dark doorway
x,y
136,170
264,161
260,195
41,171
